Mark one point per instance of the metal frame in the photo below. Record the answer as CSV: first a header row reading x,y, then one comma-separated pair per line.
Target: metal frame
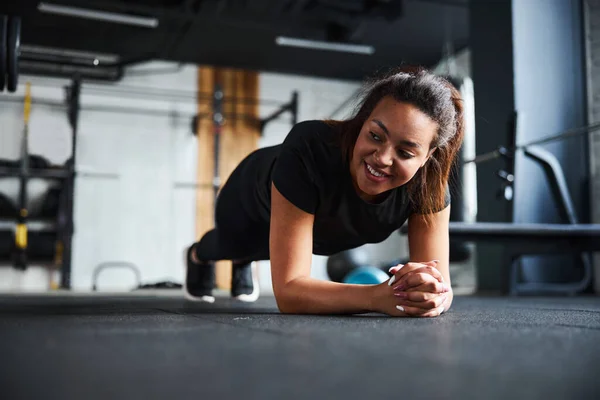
x,y
64,226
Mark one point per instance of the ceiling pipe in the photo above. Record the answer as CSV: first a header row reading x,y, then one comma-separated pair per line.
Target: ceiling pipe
x,y
98,15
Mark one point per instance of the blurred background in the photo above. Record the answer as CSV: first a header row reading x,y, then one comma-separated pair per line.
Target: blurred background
x,y
128,97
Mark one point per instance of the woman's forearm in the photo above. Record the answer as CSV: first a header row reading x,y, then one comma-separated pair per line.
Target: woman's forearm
x,y
311,296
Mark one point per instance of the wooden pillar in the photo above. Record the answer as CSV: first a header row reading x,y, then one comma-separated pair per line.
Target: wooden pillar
x,y
239,137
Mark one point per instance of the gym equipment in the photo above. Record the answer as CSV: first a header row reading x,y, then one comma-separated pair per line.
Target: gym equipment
x,y
20,260
7,207
38,162
342,263
34,166
507,153
6,244
3,50
35,161
40,168
366,276
538,238
116,264
41,246
160,285
510,151
51,203
13,46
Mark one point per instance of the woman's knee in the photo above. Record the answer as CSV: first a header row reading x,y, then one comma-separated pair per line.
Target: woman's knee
x,y
205,250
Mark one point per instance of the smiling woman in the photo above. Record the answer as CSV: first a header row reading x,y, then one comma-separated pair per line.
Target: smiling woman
x,y
389,160
336,185
426,113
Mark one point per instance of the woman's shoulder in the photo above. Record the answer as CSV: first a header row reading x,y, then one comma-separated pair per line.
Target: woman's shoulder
x,y
311,132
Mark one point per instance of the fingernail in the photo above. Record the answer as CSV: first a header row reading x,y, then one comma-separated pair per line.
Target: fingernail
x,y
392,280
399,267
442,310
435,261
401,294
399,287
400,308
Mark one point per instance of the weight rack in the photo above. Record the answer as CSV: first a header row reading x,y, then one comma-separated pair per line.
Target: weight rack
x,y
62,226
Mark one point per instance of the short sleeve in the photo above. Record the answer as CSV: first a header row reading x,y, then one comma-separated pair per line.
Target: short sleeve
x,y
294,171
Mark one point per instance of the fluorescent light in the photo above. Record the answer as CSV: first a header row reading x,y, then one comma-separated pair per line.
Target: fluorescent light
x,y
318,45
98,15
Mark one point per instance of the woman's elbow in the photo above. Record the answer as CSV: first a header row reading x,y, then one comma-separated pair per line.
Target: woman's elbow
x,y
286,303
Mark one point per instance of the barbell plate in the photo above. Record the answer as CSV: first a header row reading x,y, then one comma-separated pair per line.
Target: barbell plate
x,y
3,50
14,49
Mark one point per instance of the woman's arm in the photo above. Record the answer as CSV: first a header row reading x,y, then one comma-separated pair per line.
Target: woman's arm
x,y
291,244
432,242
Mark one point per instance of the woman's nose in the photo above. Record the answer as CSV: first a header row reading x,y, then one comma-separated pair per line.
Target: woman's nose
x,y
385,155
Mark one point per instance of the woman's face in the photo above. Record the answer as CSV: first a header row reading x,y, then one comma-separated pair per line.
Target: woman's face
x,y
391,147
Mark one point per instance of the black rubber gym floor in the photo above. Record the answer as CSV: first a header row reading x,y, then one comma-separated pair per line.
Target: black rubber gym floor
x,y
129,347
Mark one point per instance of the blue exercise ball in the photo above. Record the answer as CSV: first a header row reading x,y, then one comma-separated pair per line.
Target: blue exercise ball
x,y
366,276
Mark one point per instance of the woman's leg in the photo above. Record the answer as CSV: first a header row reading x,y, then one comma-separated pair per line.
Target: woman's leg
x,y
200,272
237,237
216,245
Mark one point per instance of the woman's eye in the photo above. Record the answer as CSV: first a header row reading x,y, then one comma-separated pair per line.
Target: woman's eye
x,y
375,137
404,154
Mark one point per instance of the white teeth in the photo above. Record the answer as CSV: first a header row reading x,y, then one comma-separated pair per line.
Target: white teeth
x,y
371,170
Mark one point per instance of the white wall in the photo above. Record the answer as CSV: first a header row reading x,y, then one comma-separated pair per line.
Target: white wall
x,y
139,217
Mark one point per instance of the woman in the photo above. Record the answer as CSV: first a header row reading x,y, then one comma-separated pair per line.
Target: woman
x,y
336,185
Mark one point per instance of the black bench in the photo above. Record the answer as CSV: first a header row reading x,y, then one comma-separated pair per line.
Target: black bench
x,y
522,239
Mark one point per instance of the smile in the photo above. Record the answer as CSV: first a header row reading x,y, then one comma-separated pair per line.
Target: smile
x,y
373,173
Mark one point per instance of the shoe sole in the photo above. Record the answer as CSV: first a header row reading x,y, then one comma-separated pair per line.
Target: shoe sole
x,y
252,297
189,296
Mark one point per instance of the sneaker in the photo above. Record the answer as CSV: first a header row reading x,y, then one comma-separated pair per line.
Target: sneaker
x,y
199,280
244,282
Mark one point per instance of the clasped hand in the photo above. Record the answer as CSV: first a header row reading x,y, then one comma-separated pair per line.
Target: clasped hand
x,y
416,290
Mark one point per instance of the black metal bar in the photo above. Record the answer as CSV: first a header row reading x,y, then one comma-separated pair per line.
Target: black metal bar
x,y
292,107
275,115
159,94
135,59
556,180
65,223
21,234
45,173
99,108
588,129
67,70
218,121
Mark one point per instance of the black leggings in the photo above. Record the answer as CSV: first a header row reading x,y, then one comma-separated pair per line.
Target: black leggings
x,y
236,236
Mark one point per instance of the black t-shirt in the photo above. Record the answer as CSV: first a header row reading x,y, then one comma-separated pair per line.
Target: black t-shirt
x,y
309,171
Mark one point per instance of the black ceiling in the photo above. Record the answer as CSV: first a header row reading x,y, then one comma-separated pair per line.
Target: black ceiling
x,y
241,33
